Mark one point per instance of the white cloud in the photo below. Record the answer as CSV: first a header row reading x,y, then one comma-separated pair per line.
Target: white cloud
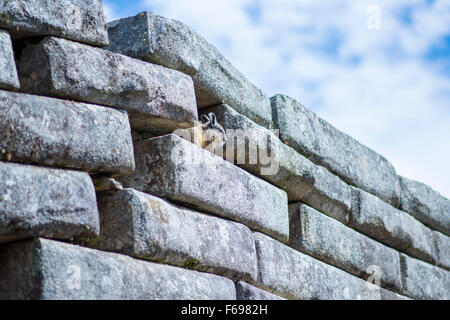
x,y
110,11
373,84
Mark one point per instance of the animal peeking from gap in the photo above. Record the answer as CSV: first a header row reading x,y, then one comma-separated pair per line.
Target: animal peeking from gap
x,y
207,134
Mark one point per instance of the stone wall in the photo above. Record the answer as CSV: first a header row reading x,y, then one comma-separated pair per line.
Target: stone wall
x,y
101,197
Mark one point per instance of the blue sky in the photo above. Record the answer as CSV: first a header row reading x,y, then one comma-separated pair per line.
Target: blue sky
x,y
377,70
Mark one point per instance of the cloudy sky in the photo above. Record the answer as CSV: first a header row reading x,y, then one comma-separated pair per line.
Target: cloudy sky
x,y
377,70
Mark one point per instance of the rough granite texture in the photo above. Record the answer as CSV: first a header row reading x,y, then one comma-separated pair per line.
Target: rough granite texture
x,y
245,291
424,281
389,295
53,203
425,204
172,44
8,73
46,269
188,223
442,243
173,168
287,169
315,138
393,227
158,99
294,275
328,240
79,20
148,227
62,133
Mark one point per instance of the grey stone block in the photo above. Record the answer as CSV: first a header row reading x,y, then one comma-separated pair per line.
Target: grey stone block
x,y
425,204
172,44
8,73
157,99
61,133
148,227
328,240
245,291
393,227
104,183
424,281
315,138
52,203
49,270
287,169
442,243
389,295
79,20
173,168
294,275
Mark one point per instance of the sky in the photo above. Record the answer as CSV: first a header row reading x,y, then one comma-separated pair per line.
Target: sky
x,y
376,70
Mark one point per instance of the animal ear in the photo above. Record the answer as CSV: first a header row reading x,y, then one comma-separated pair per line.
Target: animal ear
x,y
204,118
212,117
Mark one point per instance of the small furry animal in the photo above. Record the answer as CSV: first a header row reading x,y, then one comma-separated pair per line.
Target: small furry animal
x,y
212,134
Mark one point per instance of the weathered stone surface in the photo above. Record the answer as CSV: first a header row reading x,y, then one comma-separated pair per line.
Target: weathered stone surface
x,y
389,295
148,227
442,243
8,73
170,43
173,168
329,240
315,138
158,99
424,281
294,275
425,204
79,20
61,133
245,291
46,269
286,168
393,227
104,183
52,203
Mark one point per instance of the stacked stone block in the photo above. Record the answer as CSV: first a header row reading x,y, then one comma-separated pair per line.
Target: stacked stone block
x,y
158,99
341,154
8,74
172,44
147,227
89,156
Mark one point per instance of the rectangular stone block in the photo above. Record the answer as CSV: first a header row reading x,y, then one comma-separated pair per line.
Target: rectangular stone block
x,y
144,226
315,138
51,203
79,20
424,281
389,295
245,291
442,243
158,99
172,44
294,275
393,227
281,165
62,133
425,204
173,168
51,270
330,241
8,73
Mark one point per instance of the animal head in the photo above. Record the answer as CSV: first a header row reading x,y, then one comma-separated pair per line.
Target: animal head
x,y
213,133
